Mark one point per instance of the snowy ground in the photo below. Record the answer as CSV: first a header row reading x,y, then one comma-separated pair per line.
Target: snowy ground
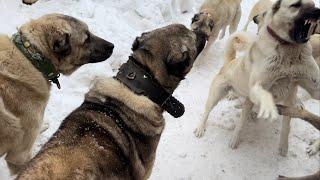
x,y
180,155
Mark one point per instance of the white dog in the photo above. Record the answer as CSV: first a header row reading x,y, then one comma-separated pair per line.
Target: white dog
x,y
277,63
260,7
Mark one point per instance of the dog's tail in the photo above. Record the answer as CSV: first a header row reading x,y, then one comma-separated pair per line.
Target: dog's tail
x,y
238,42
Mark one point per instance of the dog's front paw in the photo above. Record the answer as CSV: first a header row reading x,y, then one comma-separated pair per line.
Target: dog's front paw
x,y
314,148
268,110
199,132
234,142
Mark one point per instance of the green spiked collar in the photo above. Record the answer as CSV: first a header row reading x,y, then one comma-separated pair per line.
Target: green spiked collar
x,y
39,61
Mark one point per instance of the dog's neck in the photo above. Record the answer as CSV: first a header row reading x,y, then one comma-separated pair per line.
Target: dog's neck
x,y
138,80
150,121
38,60
276,36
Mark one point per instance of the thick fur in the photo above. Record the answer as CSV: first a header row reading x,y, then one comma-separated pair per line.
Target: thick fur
x,y
217,15
24,92
260,7
270,72
90,145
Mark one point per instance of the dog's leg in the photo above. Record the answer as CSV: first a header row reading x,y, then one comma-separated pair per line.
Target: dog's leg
x,y
245,115
314,148
235,22
218,90
19,154
285,128
10,126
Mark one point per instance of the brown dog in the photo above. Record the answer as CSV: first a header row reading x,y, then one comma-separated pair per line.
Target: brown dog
x,y
114,134
34,56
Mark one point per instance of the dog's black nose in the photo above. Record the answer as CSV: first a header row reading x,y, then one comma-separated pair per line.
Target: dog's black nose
x,y
109,47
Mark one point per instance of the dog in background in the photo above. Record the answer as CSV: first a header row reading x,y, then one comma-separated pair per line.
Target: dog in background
x,y
114,134
277,63
260,7
34,56
217,15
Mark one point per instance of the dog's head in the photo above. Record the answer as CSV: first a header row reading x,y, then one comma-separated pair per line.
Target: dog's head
x,y
293,20
66,41
168,53
203,22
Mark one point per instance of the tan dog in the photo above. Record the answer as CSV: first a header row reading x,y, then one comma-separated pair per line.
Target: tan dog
x,y
277,63
114,134
217,15
260,7
63,43
315,43
29,2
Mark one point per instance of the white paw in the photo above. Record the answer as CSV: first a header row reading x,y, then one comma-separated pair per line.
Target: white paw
x,y
199,132
268,110
314,148
283,151
234,142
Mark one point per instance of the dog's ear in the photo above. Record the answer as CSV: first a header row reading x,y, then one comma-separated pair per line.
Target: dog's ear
x,y
195,18
138,42
276,6
178,63
256,19
59,43
135,44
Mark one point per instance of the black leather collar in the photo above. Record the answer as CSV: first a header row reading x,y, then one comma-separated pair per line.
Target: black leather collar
x,y
141,82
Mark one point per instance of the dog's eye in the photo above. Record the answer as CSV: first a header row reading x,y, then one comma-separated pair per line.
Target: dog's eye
x,y
296,5
88,38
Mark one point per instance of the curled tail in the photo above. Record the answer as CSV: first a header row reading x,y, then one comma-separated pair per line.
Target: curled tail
x,y
240,41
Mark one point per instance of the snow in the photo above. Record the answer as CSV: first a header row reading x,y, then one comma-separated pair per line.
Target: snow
x,y
180,154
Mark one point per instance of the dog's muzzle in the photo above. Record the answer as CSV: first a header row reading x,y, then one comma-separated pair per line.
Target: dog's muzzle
x,y
306,25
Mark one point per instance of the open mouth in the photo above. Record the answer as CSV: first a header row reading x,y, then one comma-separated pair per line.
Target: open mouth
x,y
306,26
